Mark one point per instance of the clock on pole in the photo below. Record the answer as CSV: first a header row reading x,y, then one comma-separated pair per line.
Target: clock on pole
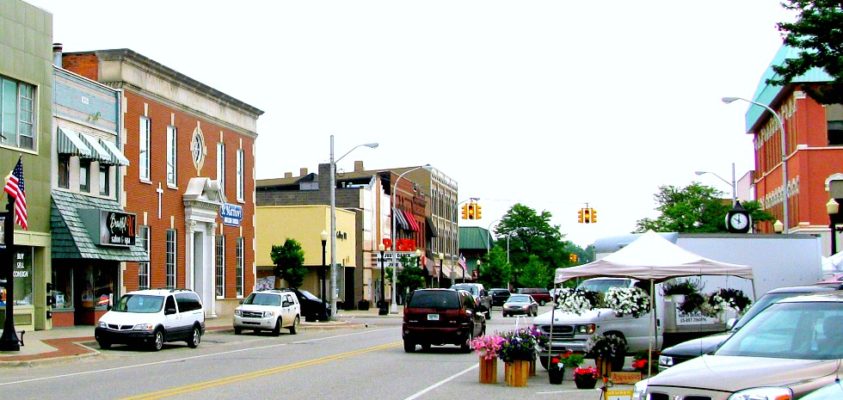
x,y
738,219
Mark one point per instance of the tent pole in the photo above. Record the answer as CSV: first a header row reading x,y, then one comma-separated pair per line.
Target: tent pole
x,y
653,326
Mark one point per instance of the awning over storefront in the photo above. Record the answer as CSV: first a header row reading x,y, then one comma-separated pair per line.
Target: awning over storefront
x,y
69,142
431,229
70,236
411,221
400,220
88,147
99,153
117,157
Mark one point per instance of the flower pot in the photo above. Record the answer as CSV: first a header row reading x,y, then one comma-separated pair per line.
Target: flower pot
x,y
556,374
517,372
678,298
585,381
488,370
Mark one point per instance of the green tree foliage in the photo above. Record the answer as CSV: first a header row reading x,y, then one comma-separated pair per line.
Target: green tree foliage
x,y
411,277
531,234
818,35
535,273
289,262
695,208
495,272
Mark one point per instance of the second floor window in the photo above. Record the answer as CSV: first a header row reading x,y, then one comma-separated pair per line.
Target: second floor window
x,y
64,171
143,152
172,144
84,176
105,180
240,175
17,114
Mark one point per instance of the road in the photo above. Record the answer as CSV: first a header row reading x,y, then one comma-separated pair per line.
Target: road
x,y
360,363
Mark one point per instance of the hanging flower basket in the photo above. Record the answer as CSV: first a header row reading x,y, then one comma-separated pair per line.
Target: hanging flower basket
x,y
627,301
577,301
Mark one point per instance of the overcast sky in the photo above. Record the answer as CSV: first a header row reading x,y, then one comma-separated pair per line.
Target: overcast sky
x,y
547,103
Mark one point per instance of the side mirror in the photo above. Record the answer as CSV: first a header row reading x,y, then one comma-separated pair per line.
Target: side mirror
x,y
169,311
286,304
241,301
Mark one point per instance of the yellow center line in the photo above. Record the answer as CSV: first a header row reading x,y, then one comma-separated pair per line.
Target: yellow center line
x,y
258,374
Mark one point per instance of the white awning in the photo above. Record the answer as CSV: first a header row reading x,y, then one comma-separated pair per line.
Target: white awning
x,y
68,142
117,156
99,153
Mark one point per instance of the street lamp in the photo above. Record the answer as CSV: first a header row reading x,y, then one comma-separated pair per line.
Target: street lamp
x,y
734,195
832,208
382,303
441,265
728,100
324,236
394,307
333,233
778,226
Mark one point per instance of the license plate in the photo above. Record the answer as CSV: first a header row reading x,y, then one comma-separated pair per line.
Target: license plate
x,y
433,317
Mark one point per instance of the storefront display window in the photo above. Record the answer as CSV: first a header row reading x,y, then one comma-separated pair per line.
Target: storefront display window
x,y
22,272
63,284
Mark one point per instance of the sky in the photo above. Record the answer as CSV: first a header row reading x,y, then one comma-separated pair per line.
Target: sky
x,y
551,104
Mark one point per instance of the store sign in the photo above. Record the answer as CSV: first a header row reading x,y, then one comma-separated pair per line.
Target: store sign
x,y
231,214
117,228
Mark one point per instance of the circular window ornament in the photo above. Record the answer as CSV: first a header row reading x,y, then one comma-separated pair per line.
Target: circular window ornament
x,y
197,148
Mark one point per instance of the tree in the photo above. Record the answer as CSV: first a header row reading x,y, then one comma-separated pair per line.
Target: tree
x,y
695,208
535,274
495,272
818,34
411,276
289,261
531,234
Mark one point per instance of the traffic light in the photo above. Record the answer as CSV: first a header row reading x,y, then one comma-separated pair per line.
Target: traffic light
x,y
465,211
470,210
579,216
573,257
477,211
593,216
51,300
586,215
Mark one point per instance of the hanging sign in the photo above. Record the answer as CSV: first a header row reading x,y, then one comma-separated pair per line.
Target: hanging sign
x,y
117,228
231,214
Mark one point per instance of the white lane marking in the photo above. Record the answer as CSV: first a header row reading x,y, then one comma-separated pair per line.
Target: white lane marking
x,y
566,391
175,360
442,382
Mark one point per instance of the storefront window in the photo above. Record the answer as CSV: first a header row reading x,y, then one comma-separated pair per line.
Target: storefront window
x,y
105,279
63,284
22,273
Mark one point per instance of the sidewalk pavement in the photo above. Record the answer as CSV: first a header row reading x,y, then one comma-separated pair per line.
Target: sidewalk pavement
x,y
59,344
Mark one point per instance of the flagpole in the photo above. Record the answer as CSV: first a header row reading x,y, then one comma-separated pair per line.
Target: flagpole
x,y
9,340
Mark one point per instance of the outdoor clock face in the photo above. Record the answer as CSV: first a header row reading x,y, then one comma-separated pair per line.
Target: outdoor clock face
x,y
739,221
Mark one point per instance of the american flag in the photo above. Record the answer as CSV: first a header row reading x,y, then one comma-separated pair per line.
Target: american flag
x,y
462,262
14,187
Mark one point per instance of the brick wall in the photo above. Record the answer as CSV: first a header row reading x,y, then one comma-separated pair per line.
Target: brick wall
x,y
82,64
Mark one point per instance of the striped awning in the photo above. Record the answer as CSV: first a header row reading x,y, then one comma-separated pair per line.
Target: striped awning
x,y
411,221
117,157
99,153
400,220
69,142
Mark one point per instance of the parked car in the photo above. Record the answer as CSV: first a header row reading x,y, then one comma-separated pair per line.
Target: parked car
x,y
791,348
541,295
268,310
152,317
706,345
481,297
440,317
312,307
833,391
499,296
520,304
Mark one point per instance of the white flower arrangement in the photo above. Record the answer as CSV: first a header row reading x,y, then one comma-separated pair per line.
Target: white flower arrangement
x,y
623,301
576,301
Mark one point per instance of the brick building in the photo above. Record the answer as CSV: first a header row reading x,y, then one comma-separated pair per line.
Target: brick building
x,y
191,159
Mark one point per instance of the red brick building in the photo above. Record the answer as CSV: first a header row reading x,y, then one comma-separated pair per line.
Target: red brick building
x,y
191,162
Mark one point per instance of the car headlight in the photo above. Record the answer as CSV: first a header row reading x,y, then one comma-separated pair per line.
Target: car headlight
x,y
268,314
587,329
639,391
237,312
102,324
763,393
143,327
666,361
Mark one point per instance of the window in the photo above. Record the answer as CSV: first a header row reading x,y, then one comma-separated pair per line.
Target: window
x,y
171,155
188,302
64,171
143,152
834,123
239,276
105,180
17,114
220,281
84,176
221,165
143,267
240,176
171,258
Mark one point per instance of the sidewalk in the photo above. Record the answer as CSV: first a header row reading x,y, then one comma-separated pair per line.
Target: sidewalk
x,y
59,344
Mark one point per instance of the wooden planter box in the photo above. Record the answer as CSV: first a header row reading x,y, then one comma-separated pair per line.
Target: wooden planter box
x,y
517,372
488,370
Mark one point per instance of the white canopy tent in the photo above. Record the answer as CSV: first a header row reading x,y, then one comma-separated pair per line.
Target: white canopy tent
x,y
652,257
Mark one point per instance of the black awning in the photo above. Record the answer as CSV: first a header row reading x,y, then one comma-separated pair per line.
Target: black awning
x,y
431,229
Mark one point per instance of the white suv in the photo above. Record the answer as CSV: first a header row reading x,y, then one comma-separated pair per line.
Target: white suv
x,y
152,317
268,310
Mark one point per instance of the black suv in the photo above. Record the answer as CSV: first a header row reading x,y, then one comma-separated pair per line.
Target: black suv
x,y
499,296
312,307
440,317
481,298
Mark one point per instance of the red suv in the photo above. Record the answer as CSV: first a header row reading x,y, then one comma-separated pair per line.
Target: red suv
x,y
440,317
541,295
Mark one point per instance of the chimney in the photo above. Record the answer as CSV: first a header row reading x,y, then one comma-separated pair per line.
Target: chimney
x,y
358,166
288,174
57,47
302,171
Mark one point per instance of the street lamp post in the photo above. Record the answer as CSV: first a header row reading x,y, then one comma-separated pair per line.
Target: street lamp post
x,y
732,183
324,236
832,207
441,265
728,100
394,307
382,303
333,232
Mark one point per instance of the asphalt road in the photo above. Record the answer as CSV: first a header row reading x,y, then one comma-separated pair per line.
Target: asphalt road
x,y
359,363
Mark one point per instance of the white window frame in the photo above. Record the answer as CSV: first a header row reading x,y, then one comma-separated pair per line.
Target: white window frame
x,y
105,180
24,114
240,275
240,177
172,158
85,172
143,152
221,165
219,244
171,262
143,267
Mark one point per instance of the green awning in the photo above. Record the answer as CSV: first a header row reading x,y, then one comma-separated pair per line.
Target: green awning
x,y
71,238
117,157
69,142
99,153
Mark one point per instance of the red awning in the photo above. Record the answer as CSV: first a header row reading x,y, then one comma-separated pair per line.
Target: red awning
x,y
411,220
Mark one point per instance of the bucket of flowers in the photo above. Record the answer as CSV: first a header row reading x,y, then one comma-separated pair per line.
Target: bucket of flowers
x,y
558,364
487,347
640,361
627,301
608,351
517,351
586,377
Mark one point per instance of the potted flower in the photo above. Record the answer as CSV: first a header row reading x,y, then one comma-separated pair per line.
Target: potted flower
x,y
693,302
577,301
609,352
487,347
517,350
733,298
558,364
627,301
640,363
586,377
677,290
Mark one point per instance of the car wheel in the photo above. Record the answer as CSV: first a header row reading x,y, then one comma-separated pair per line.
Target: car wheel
x,y
466,345
541,303
504,315
104,345
238,331
293,329
195,338
425,346
409,346
158,340
277,329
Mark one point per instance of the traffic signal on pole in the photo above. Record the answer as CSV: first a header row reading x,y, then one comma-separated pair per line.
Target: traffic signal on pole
x,y
470,210
477,211
465,211
586,215
579,216
593,216
573,257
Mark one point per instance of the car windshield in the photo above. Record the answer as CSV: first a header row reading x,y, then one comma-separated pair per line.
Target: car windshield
x,y
760,305
603,285
468,288
139,303
308,295
435,299
801,330
263,299
516,298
